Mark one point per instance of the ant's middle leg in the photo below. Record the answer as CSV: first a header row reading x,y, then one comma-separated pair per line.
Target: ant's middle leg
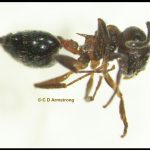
x,y
89,86
90,83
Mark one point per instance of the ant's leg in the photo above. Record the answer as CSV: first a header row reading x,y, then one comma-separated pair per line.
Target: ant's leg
x,y
115,86
112,84
80,78
98,70
90,82
91,98
122,112
89,87
70,63
123,117
55,82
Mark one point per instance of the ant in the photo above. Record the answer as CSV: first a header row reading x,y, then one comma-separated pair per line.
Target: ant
x,y
40,49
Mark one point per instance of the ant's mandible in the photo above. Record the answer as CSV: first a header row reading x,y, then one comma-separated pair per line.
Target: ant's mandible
x,y
40,49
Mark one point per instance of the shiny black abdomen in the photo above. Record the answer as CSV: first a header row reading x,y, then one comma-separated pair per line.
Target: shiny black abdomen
x,y
32,48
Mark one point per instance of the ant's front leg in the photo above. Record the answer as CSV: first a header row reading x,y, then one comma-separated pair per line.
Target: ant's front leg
x,y
124,60
122,112
115,86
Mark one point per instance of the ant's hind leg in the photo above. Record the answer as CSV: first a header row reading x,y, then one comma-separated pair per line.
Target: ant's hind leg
x,y
55,82
70,63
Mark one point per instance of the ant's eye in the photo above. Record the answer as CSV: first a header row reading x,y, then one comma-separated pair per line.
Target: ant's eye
x,y
131,44
139,37
15,39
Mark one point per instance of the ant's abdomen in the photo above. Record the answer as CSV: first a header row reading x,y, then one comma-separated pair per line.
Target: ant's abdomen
x,y
32,48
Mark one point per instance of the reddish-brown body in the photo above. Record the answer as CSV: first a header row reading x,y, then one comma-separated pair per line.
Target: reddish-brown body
x,y
130,48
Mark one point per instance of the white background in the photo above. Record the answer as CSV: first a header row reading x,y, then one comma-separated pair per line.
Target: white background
x,y
24,122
